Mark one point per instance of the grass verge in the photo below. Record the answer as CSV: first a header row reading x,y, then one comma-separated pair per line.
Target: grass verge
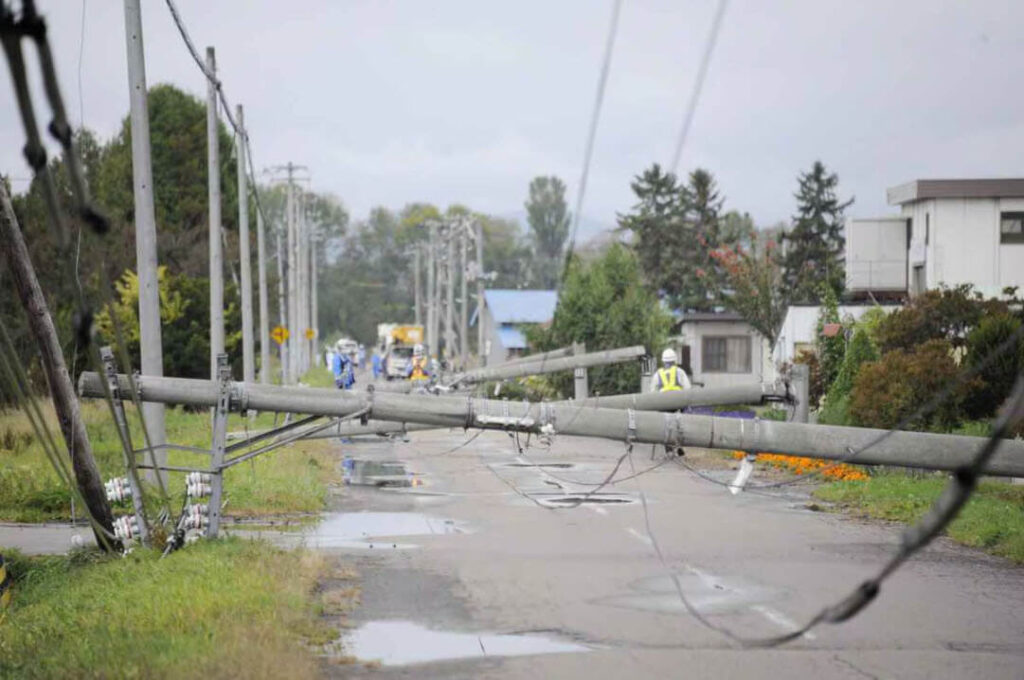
x,y
292,479
228,608
992,520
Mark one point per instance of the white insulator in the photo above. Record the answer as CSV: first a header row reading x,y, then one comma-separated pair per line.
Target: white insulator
x,y
192,536
118,489
197,478
196,516
197,490
126,528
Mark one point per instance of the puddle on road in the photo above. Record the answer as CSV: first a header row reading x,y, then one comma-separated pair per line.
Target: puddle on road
x,y
397,643
381,474
373,529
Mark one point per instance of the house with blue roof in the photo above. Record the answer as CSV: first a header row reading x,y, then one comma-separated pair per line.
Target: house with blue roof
x,y
505,313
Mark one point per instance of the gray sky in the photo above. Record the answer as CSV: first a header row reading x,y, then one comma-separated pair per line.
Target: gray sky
x,y
465,101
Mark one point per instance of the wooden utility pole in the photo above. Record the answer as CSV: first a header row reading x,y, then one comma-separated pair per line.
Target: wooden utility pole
x,y
87,475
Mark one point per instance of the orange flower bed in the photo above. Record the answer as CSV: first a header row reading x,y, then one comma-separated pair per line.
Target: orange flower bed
x,y
800,466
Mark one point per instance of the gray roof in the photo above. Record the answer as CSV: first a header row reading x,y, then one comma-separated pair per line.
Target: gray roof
x,y
688,317
922,189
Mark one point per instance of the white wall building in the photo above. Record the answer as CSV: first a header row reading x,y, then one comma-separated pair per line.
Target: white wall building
x,y
800,324
721,349
963,231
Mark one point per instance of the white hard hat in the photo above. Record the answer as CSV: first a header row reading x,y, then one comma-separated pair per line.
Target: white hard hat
x,y
669,356
417,350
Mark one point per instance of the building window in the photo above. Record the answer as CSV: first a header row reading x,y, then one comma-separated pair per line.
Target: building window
x,y
1011,227
726,354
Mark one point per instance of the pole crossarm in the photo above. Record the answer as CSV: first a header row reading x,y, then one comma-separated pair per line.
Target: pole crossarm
x,y
866,446
545,365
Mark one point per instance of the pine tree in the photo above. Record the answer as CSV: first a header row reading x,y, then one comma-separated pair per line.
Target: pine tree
x,y
814,247
831,349
675,229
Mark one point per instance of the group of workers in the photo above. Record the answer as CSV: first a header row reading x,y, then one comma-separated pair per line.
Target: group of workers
x,y
343,365
670,376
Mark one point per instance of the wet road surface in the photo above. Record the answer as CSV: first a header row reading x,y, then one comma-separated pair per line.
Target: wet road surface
x,y
491,559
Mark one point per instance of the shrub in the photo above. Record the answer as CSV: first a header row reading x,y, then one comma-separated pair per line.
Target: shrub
x,y
996,379
891,389
940,314
860,351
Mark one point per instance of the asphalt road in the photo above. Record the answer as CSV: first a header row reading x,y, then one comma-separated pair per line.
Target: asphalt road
x,y
491,562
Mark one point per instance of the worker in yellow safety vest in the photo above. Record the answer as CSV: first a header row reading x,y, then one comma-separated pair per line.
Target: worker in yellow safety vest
x,y
418,369
670,377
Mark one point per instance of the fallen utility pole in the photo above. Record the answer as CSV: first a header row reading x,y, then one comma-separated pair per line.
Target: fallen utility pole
x,y
537,367
873,447
755,393
87,475
540,356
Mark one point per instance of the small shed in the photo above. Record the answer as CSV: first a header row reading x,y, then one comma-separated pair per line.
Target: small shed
x,y
720,349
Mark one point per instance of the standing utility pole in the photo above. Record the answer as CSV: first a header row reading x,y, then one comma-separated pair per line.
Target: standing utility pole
x,y
313,305
464,321
418,295
449,312
481,338
282,305
261,268
293,279
432,289
248,369
216,254
145,228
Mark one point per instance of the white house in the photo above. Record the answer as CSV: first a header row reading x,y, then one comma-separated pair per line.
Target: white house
x,y
950,231
720,349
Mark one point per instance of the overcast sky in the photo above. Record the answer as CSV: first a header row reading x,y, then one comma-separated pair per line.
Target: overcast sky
x,y
465,101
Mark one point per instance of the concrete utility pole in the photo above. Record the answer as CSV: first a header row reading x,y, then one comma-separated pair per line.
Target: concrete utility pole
x,y
248,358
417,293
542,366
464,291
261,267
481,335
314,323
87,475
293,279
431,288
216,254
828,442
150,342
282,305
449,312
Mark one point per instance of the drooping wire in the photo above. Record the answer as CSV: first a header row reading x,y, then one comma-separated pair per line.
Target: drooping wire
x,y
698,85
609,49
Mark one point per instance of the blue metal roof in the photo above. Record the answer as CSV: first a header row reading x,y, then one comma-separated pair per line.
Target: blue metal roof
x,y
511,337
521,306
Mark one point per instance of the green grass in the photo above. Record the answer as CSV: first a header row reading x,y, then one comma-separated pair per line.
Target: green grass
x,y
229,608
287,480
992,520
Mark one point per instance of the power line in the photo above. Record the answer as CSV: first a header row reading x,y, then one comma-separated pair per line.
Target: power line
x,y
609,49
702,70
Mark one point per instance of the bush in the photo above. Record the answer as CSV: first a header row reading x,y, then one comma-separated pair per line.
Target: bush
x,y
940,314
830,349
887,391
860,351
996,380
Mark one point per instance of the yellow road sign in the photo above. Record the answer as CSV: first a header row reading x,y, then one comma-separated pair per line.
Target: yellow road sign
x,y
279,334
310,334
